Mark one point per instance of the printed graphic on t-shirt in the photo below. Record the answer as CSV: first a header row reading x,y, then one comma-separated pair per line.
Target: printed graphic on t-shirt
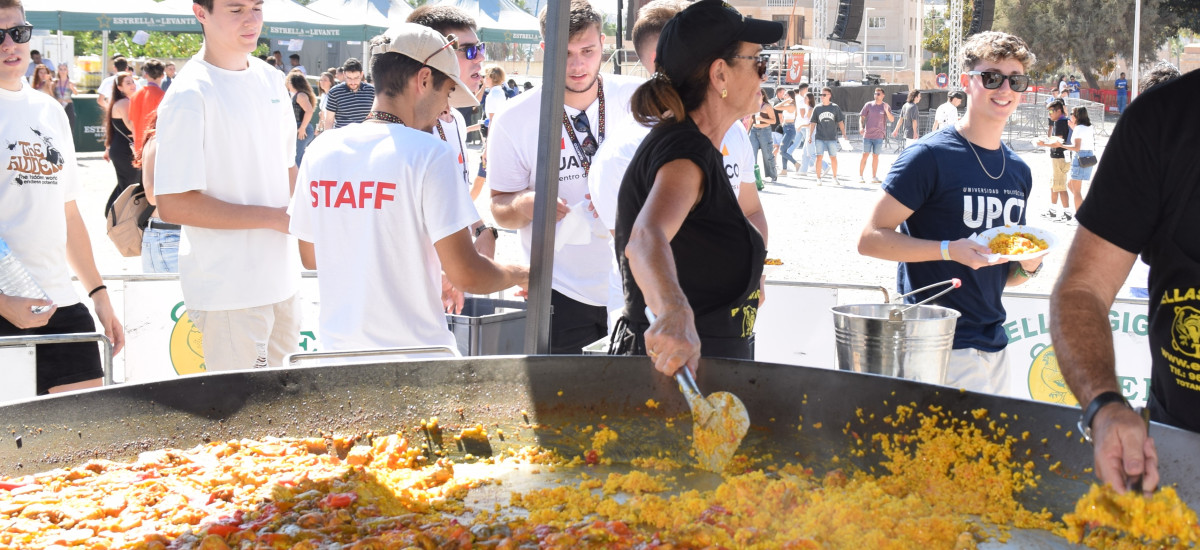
x,y
1185,338
733,168
34,159
988,207
364,194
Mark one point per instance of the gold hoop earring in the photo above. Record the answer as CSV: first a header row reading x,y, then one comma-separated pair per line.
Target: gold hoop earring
x,y
724,93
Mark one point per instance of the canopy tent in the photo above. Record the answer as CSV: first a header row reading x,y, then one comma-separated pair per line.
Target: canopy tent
x,y
380,14
282,19
514,25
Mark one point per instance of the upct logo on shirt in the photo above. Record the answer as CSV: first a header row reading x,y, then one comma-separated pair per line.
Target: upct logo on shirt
x,y
983,209
35,160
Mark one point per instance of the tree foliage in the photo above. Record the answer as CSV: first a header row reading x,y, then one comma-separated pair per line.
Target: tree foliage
x,y
1063,35
937,34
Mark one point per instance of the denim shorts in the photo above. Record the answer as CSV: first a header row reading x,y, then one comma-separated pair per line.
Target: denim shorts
x,y
825,145
873,146
1078,172
160,250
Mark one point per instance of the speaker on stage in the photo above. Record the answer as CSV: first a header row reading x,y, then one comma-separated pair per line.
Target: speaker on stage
x,y
981,16
850,19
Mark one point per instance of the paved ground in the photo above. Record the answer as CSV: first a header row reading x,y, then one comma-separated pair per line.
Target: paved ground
x,y
814,229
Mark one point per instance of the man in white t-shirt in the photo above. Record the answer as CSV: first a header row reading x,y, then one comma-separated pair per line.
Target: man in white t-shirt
x,y
594,106
612,159
226,164
119,65
380,210
451,127
294,59
947,113
40,223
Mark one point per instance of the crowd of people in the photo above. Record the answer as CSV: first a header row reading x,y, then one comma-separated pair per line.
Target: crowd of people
x,y
663,234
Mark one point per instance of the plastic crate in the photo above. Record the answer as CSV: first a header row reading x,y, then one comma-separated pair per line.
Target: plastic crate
x,y
487,326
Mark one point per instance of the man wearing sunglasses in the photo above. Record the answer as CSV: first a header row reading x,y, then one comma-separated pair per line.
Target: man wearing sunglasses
x,y
40,222
875,117
594,106
951,186
826,122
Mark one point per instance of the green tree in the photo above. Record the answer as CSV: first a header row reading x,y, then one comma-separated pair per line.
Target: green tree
x,y
937,35
1062,35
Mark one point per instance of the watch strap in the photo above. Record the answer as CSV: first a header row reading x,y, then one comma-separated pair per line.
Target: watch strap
x,y
1093,408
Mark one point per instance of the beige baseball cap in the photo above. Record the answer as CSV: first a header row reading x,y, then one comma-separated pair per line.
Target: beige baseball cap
x,y
431,48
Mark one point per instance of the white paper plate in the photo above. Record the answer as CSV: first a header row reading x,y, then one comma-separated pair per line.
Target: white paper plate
x,y
987,236
1047,140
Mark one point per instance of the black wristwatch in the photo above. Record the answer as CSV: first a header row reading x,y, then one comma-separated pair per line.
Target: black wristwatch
x,y
479,231
1093,408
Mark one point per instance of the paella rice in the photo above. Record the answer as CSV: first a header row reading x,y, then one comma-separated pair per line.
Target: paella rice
x,y
1011,244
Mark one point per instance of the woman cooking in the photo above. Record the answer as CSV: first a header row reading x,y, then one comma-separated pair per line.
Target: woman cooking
x,y
684,247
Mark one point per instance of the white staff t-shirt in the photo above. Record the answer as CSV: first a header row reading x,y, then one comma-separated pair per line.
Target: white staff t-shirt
x,y
373,198
231,135
580,271
456,136
38,176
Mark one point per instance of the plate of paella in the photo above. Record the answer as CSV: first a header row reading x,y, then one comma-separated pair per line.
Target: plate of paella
x,y
1017,242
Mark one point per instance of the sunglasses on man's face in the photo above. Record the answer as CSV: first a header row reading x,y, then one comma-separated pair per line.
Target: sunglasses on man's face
x,y
992,80
472,51
20,34
761,62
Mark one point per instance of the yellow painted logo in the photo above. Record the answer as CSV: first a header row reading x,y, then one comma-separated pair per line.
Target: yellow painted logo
x,y
1046,382
187,351
1185,331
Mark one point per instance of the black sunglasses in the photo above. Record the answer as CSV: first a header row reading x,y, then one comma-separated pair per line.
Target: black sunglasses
x,y
762,61
20,33
992,80
472,51
588,145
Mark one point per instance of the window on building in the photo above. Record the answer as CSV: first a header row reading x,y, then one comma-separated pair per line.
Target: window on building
x,y
877,22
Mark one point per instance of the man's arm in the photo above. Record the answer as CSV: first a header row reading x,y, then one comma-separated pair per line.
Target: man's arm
x,y
79,256
1093,273
196,209
914,123
471,272
102,101
880,239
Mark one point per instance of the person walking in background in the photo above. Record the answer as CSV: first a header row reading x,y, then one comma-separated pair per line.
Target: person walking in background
x,y
1073,88
827,121
294,59
910,116
1082,144
145,102
1059,127
118,138
875,117
64,92
325,83
169,72
1122,86
493,84
43,80
787,114
808,152
350,101
160,240
225,168
947,113
36,60
761,140
105,91
304,102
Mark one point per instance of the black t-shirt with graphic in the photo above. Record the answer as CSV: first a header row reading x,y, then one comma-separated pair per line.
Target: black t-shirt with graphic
x,y
1062,129
1145,198
827,118
718,253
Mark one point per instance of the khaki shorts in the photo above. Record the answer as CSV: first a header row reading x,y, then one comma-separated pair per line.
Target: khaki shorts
x,y
980,371
1059,169
250,338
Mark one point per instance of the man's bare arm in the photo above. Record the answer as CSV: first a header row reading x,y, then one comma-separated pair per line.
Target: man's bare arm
x,y
196,209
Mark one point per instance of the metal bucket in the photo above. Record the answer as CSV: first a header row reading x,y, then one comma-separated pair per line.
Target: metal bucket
x,y
917,347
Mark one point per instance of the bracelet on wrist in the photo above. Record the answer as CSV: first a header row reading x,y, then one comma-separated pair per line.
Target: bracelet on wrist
x,y
97,289
946,250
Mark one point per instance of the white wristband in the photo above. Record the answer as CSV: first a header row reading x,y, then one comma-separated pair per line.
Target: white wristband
x,y
946,250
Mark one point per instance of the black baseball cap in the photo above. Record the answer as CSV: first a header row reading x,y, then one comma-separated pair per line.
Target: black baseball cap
x,y
699,33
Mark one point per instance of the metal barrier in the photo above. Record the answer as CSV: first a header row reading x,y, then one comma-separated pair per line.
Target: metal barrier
x,y
71,338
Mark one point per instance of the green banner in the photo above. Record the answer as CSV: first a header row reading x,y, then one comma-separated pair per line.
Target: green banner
x,y
510,36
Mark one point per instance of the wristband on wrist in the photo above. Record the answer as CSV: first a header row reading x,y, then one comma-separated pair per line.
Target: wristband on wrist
x,y
97,289
946,250
479,231
1093,408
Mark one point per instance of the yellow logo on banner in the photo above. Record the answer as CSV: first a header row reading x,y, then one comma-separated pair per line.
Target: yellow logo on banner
x,y
1046,382
187,350
1185,331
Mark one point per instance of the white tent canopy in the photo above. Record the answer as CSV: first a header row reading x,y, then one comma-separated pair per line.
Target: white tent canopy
x,y
515,25
377,13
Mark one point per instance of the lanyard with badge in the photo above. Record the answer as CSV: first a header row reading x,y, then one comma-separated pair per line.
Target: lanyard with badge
x,y
461,154
586,160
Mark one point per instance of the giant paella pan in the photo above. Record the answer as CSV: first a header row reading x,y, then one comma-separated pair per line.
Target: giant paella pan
x,y
515,452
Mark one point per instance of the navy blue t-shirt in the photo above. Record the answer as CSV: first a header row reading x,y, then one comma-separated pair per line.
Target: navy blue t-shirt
x,y
952,197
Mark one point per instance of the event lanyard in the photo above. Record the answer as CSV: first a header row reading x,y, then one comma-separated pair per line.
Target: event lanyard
x,y
585,160
461,154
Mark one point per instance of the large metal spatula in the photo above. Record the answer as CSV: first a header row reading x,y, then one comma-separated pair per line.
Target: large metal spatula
x,y
719,421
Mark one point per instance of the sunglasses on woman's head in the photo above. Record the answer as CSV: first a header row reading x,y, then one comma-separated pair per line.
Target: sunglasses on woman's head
x,y
20,34
992,80
472,51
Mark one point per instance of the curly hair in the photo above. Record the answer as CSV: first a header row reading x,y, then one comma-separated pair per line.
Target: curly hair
x,y
995,46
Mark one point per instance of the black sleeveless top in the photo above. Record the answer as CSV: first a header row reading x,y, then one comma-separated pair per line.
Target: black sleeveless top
x,y
718,254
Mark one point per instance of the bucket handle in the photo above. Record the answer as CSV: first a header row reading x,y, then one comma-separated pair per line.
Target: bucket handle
x,y
897,314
